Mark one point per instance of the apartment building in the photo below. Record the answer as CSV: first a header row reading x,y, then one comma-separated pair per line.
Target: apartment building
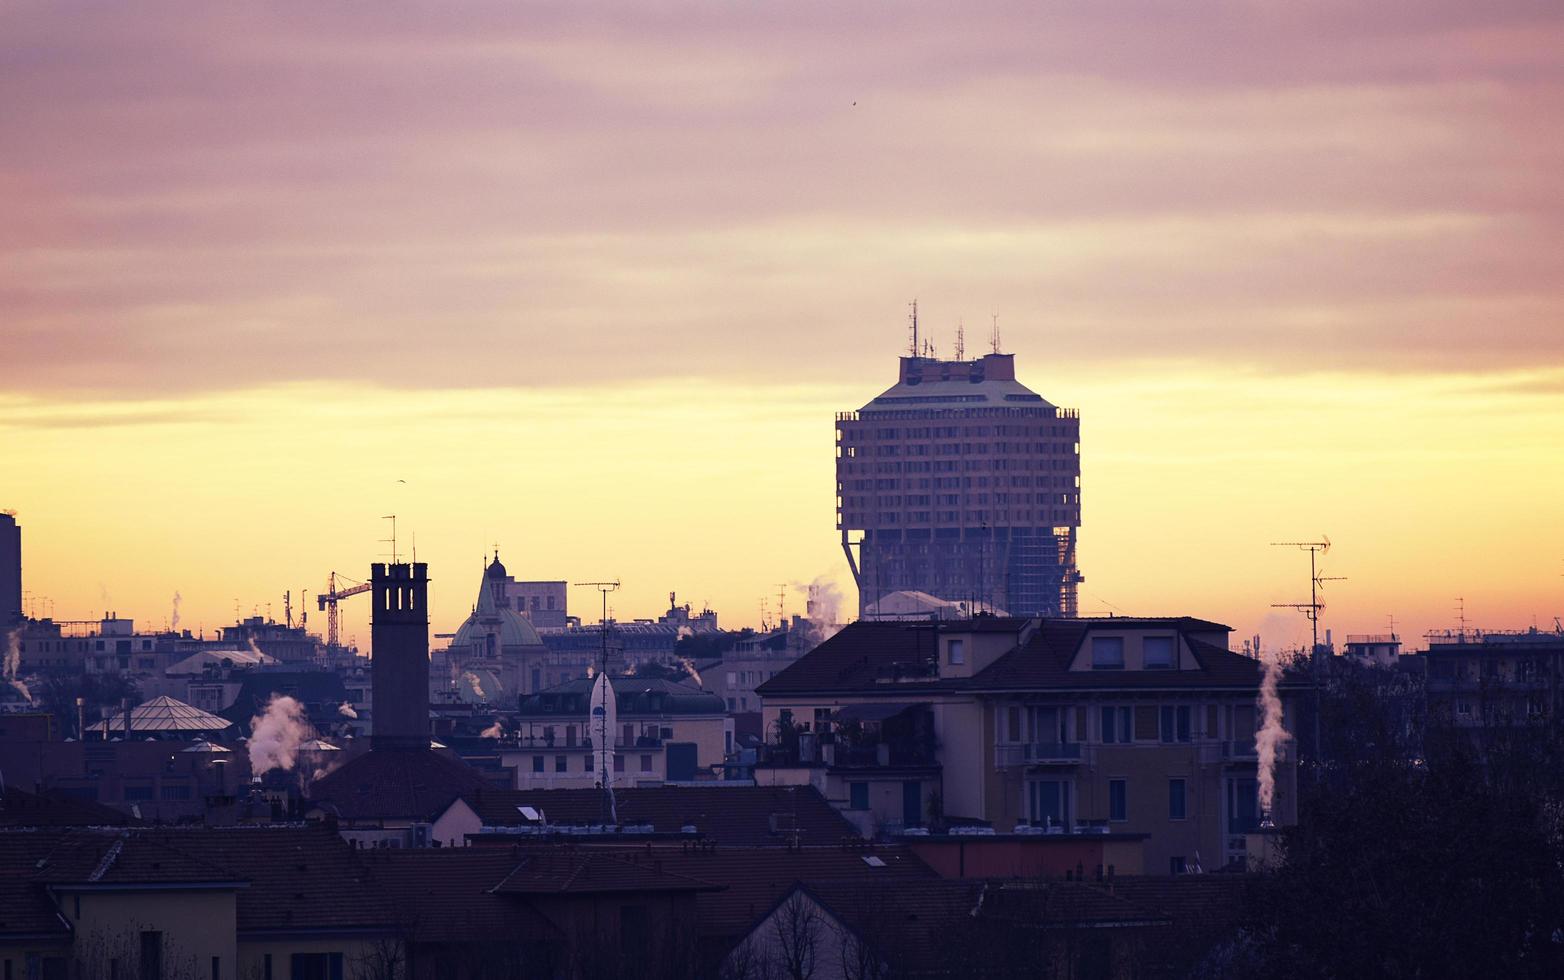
x,y
1063,726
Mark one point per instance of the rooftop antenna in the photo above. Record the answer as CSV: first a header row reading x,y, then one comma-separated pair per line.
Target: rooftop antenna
x,y
287,608
608,687
1392,626
1312,610
392,539
961,341
993,340
1460,609
912,319
782,603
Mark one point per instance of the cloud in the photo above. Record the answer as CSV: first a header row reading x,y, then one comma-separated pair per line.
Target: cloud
x,y
494,195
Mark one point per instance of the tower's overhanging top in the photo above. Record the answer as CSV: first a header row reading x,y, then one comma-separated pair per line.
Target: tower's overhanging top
x,y
930,383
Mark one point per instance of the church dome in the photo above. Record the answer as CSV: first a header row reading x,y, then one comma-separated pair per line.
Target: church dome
x,y
495,569
512,628
489,618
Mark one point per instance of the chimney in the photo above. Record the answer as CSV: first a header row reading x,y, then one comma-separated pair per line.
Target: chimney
x,y
399,630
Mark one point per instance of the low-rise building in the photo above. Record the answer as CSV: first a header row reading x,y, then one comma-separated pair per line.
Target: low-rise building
x,y
665,732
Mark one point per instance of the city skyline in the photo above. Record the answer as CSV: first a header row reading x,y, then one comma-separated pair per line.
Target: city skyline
x,y
594,285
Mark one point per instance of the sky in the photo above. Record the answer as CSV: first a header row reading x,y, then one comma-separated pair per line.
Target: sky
x,y
587,281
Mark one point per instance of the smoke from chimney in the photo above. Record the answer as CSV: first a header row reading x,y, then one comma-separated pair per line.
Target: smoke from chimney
x,y
275,736
13,663
345,709
474,683
689,668
824,608
173,619
496,730
1271,734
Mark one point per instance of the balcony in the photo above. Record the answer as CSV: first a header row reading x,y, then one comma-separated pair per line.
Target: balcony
x,y
1008,755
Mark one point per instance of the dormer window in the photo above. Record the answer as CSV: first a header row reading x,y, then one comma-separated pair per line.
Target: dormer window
x,y
1157,652
956,651
1107,653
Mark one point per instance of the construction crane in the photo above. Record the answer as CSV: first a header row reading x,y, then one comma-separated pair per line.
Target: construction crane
x,y
328,603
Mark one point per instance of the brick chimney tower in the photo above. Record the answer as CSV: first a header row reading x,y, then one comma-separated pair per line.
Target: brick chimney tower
x,y
400,666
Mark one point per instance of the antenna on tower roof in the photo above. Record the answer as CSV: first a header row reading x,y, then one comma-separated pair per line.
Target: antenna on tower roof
x,y
993,340
961,341
912,318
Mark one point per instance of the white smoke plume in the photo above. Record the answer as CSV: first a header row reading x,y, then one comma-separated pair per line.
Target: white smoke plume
x,y
689,668
496,730
253,648
824,608
13,663
682,632
173,619
345,709
1271,735
275,736
474,683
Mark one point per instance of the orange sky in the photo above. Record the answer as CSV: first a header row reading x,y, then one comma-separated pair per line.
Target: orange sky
x,y
593,279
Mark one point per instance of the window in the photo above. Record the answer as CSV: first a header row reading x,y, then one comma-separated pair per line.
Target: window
x,y
1175,723
559,763
1107,653
1118,800
176,791
1463,707
537,763
1117,726
151,955
1157,652
1049,801
646,762
858,796
1177,810
619,762
217,968
1014,713
316,966
138,793
957,650
1176,865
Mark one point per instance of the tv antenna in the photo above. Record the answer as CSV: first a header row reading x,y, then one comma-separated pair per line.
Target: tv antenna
x,y
604,588
993,338
392,539
1312,608
1460,611
782,603
961,341
912,319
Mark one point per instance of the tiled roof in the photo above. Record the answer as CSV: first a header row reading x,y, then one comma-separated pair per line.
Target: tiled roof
x,y
632,695
286,877
19,808
447,894
554,870
863,656
1044,664
856,657
734,816
396,785
927,925
754,879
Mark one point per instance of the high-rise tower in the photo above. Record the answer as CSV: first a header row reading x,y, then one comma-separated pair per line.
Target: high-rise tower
x,y
399,627
961,482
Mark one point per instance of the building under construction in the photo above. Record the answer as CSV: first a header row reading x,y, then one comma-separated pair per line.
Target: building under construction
x,y
961,482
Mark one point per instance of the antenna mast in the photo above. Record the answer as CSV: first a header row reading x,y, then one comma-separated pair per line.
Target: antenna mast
x,y
993,340
961,341
392,539
912,319
608,692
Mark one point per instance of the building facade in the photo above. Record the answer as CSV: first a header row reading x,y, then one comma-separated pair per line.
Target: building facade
x,y
1083,726
961,482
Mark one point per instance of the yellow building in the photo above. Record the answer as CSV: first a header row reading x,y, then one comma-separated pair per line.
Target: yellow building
x,y
1064,726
